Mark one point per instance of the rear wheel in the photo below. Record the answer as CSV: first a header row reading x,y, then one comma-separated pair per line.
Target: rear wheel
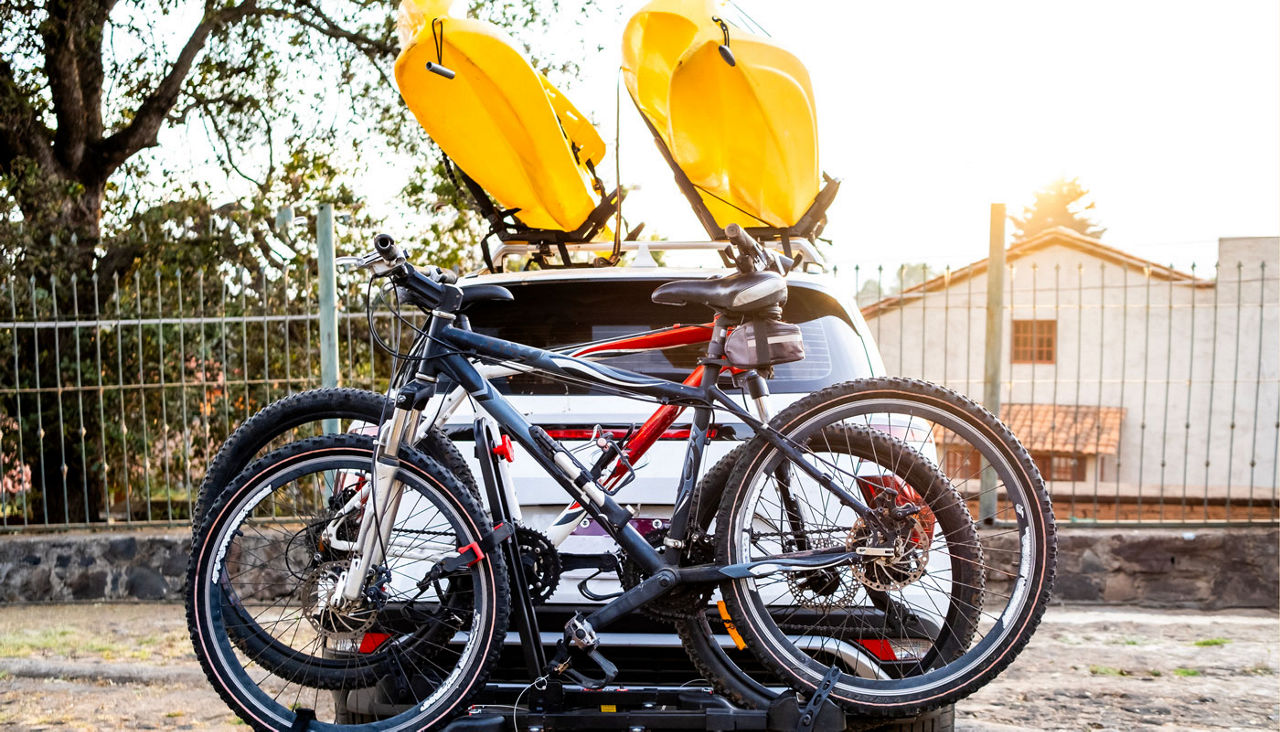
x,y
925,635
263,569
808,606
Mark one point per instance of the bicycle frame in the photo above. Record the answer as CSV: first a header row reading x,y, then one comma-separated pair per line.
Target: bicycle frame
x,y
637,442
448,351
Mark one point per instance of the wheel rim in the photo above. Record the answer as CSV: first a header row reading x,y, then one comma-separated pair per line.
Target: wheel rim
x,y
272,697
1000,625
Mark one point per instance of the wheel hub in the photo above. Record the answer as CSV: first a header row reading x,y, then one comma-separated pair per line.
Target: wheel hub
x,y
331,619
905,564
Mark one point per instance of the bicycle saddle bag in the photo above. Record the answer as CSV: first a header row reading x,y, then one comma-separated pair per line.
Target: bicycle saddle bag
x,y
760,343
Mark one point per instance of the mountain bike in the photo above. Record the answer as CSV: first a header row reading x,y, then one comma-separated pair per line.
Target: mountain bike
x,y
794,521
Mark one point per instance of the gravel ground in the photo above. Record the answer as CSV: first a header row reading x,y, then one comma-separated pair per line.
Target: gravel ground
x,y
131,666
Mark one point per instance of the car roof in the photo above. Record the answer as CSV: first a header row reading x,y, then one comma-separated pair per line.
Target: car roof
x,y
823,283
579,274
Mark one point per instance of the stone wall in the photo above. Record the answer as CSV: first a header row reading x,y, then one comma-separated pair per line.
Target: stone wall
x,y
1191,568
1205,569
132,565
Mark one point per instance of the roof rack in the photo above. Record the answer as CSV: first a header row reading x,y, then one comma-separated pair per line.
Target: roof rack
x,y
516,249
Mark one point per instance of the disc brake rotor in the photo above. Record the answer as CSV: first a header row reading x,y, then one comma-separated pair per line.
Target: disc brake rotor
x,y
907,563
328,620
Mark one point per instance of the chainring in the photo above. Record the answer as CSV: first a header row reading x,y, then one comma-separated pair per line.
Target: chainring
x,y
541,560
684,601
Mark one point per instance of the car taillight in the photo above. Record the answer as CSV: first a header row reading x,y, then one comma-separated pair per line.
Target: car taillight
x,y
371,641
675,433
879,648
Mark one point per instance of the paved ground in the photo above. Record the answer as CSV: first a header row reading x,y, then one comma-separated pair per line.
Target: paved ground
x,y
131,666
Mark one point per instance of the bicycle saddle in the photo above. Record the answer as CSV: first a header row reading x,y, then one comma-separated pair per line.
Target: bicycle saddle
x,y
737,293
480,293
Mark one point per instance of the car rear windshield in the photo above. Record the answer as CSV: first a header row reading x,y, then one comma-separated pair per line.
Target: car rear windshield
x,y
557,314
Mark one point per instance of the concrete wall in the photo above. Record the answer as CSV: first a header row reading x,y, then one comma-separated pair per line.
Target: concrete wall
x,y
1194,365
1195,568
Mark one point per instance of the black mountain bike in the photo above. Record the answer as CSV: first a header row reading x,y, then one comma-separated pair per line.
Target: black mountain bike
x,y
848,564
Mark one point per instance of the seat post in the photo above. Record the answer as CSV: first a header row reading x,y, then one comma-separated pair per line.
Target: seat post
x,y
719,333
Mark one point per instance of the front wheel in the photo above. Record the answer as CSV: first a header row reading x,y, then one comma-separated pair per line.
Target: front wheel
x,y
918,631
260,598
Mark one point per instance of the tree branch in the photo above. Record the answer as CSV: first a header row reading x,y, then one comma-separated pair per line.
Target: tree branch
x,y
59,36
22,134
228,156
142,130
91,70
327,26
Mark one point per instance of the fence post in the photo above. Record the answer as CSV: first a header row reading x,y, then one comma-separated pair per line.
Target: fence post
x,y
328,304
994,339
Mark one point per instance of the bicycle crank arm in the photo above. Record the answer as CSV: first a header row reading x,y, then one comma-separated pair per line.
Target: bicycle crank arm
x,y
798,562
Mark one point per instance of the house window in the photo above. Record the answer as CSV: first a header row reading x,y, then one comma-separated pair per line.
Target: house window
x,y
1060,467
1035,341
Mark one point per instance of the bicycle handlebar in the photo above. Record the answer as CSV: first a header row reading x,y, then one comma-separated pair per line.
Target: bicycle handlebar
x,y
387,249
756,254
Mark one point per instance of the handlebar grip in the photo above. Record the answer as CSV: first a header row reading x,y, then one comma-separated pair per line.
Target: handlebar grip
x,y
740,238
386,248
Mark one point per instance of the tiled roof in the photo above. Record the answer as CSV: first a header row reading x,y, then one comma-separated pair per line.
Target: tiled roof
x,y
1062,428
1059,235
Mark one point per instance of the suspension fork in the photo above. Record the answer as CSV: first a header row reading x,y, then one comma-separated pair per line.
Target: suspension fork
x,y
379,515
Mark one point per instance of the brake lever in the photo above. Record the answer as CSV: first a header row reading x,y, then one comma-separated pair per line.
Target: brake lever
x,y
362,262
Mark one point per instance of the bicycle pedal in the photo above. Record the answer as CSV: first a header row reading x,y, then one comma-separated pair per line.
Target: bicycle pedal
x,y
607,668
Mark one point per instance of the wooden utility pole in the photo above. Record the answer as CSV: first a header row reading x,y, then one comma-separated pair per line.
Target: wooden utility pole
x,y
994,350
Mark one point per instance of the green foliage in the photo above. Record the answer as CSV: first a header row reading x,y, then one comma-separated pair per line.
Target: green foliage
x,y
108,206
288,95
1206,642
1064,202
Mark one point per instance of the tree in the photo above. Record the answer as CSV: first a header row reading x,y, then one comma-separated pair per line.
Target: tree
x,y
87,87
1064,202
75,109
878,284
291,94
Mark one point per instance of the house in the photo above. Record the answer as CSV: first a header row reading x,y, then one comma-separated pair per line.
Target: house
x,y
1129,381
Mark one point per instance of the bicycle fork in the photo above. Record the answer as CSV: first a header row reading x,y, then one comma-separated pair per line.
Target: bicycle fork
x,y
383,499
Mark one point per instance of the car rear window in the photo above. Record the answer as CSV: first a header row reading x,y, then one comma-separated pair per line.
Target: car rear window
x,y
557,314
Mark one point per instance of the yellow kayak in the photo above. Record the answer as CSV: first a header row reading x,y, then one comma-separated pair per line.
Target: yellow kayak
x,y
745,135
500,120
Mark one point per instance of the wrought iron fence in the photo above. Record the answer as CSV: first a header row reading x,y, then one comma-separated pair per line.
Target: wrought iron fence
x,y
1144,393
112,405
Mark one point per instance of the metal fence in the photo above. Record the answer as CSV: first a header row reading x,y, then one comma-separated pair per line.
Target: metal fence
x,y
1144,393
111,407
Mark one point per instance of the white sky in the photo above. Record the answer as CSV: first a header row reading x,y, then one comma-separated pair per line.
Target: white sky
x,y
1168,111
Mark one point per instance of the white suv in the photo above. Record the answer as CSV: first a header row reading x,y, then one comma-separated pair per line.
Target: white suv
x,y
555,308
